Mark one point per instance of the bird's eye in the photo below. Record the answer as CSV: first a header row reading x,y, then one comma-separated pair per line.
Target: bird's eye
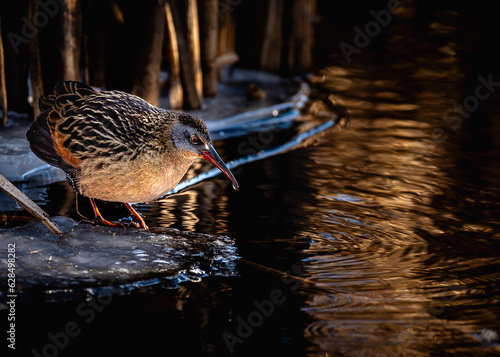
x,y
195,140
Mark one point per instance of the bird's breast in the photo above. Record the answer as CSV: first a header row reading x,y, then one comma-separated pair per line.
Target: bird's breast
x,y
141,180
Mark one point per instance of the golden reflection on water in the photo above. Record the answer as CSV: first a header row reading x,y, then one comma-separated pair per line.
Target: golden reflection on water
x,y
187,202
377,226
384,296
197,206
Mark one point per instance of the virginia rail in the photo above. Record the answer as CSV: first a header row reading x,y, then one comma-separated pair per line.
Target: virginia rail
x,y
116,147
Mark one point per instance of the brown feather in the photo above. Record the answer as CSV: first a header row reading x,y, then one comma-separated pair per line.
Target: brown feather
x,y
65,154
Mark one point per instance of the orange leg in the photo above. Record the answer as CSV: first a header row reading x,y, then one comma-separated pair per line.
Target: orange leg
x,y
136,215
99,216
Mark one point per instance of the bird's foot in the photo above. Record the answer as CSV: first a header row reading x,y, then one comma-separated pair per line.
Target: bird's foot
x,y
124,223
100,219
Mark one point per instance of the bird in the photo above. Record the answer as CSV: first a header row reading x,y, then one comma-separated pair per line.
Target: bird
x,y
115,146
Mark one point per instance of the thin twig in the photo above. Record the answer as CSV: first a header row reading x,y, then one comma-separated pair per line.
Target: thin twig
x,y
28,204
278,272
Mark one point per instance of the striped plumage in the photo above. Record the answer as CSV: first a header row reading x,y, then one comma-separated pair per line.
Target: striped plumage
x,y
117,147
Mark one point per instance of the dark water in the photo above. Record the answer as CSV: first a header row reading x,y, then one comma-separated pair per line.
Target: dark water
x,y
388,230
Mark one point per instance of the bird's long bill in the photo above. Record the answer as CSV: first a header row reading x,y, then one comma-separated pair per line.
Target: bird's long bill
x,y
212,156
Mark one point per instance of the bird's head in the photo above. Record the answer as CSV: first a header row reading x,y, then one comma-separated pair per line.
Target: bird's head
x,y
190,135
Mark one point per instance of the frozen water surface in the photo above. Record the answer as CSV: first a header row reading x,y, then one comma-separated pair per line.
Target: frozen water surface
x,y
103,257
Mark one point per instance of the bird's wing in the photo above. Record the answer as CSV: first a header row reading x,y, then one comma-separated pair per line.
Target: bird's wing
x,y
80,123
86,124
